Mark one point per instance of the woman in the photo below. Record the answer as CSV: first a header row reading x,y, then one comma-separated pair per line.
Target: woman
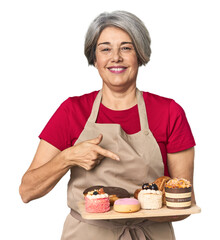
x,y
118,136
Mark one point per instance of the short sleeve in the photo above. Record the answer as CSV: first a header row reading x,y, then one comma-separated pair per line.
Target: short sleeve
x,y
180,136
56,131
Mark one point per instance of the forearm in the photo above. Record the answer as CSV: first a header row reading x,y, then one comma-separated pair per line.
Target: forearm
x,y
182,165
39,181
50,165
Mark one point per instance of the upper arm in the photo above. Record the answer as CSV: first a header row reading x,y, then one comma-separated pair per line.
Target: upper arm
x,y
179,134
181,164
45,152
54,137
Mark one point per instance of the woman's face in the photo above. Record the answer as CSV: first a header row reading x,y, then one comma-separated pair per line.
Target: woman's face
x,y
116,58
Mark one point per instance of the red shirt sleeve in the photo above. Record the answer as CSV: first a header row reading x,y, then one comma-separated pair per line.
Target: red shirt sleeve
x,y
179,133
56,131
66,124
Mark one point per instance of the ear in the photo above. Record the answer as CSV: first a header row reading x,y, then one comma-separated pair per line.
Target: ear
x,y
95,64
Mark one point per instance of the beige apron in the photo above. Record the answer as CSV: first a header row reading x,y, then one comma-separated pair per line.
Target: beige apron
x,y
140,162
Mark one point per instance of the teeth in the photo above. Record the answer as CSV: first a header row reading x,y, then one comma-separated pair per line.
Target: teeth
x,y
117,69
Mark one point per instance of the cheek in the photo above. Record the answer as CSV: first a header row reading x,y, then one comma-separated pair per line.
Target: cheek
x,y
134,65
99,64
101,61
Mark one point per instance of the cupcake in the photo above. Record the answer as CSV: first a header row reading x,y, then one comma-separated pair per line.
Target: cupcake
x,y
178,193
97,201
150,197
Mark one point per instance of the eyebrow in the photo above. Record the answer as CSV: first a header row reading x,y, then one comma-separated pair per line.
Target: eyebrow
x,y
108,43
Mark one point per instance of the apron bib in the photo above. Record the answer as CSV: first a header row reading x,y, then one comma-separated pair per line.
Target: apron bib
x,y
140,162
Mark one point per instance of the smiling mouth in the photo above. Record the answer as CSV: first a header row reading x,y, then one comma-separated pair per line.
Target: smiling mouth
x,y
117,69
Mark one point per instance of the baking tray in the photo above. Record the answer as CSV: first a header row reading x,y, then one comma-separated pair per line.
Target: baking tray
x,y
162,212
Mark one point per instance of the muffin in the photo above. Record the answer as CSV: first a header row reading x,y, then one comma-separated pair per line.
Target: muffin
x,y
178,192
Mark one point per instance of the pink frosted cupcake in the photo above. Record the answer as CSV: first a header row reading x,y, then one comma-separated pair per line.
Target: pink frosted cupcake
x,y
97,201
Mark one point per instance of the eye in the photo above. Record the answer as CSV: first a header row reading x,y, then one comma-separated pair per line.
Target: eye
x,y
126,48
106,50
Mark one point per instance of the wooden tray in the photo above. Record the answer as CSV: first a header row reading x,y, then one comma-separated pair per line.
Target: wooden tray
x,y
164,211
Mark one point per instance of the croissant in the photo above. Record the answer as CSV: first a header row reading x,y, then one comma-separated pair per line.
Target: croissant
x,y
161,181
136,193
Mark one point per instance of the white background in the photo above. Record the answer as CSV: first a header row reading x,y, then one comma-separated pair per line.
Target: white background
x,y
42,63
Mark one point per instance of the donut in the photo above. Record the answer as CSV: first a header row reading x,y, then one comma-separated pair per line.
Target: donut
x,y
113,192
126,205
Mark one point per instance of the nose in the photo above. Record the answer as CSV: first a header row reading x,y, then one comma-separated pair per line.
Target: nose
x,y
116,56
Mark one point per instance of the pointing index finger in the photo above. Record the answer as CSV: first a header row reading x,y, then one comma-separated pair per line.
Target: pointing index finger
x,y
107,153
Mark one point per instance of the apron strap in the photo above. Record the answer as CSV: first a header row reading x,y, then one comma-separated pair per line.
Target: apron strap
x,y
126,228
141,110
95,108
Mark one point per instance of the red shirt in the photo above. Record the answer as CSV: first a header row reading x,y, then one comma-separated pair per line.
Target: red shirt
x,y
167,121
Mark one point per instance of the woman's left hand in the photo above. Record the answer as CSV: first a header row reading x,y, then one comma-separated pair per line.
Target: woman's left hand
x,y
180,164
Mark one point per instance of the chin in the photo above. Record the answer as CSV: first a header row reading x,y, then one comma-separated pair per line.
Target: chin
x,y
119,83
118,86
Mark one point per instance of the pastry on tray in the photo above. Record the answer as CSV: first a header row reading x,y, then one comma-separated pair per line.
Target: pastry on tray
x,y
113,192
150,196
97,201
160,182
126,205
178,193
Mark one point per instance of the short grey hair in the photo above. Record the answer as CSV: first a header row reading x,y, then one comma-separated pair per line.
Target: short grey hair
x,y
125,21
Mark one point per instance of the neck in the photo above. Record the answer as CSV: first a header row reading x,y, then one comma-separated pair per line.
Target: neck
x,y
120,99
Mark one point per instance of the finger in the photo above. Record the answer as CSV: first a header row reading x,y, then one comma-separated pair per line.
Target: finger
x,y
107,153
97,158
96,140
98,162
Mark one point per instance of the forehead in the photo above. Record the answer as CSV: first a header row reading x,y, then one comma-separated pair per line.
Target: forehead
x,y
114,34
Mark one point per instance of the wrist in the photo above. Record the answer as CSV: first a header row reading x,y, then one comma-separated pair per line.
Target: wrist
x,y
67,157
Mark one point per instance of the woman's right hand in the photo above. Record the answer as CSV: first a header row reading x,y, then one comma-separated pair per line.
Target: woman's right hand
x,y
50,165
88,154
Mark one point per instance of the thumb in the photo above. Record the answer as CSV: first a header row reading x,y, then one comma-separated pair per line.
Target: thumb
x,y
96,140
